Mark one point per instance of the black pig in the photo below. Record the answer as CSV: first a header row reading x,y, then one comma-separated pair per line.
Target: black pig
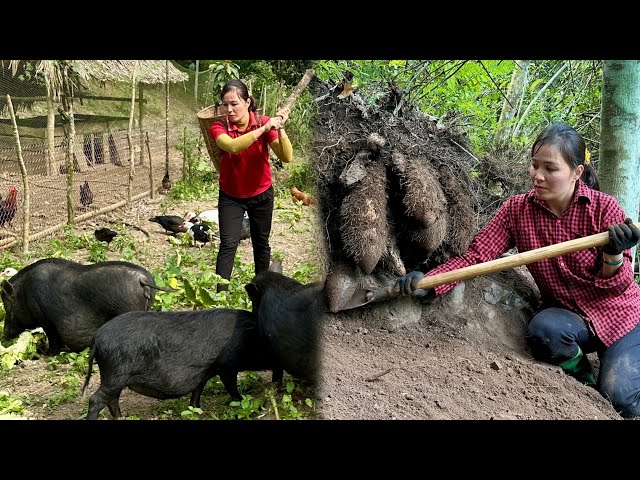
x,y
288,313
70,300
170,354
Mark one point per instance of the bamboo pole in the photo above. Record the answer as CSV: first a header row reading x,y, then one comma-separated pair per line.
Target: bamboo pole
x,y
150,168
131,151
140,119
70,164
6,242
25,182
51,119
166,113
195,89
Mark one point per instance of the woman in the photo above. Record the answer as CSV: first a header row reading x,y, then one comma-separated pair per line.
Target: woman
x,y
244,138
590,302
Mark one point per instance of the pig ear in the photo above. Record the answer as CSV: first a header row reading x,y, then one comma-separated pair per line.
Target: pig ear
x,y
7,288
252,290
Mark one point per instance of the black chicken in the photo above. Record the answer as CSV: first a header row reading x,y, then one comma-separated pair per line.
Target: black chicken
x,y
245,231
105,234
201,233
171,223
8,206
86,195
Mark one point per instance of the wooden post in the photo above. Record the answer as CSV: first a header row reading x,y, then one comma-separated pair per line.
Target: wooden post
x,y
51,119
195,89
71,163
153,195
140,117
166,113
129,138
25,182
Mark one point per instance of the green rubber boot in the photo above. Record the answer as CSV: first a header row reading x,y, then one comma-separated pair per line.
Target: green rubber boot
x,y
579,367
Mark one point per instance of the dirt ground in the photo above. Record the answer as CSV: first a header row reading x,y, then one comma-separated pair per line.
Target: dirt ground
x,y
466,359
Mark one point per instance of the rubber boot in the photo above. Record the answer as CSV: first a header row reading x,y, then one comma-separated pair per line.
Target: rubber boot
x,y
579,367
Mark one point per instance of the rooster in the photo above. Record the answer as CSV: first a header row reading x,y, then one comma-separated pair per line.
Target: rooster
x,y
86,195
8,206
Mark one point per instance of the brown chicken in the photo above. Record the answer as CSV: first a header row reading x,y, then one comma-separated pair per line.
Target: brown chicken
x,y
86,195
8,206
298,196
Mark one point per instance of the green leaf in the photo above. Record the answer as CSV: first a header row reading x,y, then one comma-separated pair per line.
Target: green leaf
x,y
189,291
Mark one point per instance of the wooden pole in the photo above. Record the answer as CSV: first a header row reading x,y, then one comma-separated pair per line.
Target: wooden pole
x,y
166,113
71,163
25,182
132,153
195,89
140,118
6,242
151,182
51,126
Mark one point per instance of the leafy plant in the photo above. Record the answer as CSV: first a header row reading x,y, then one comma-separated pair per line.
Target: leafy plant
x,y
79,361
25,347
10,406
70,390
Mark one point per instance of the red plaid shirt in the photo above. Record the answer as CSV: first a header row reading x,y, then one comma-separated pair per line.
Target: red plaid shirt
x,y
610,307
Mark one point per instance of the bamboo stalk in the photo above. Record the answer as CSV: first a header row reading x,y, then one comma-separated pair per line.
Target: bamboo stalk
x,y
51,118
70,164
131,151
150,168
48,231
140,119
25,182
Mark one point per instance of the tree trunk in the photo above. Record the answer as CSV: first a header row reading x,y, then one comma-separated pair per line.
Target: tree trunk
x,y
619,161
510,105
25,181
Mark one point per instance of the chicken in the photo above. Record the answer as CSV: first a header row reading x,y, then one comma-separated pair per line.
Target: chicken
x,y
208,216
245,232
8,206
105,234
297,195
200,233
171,223
86,195
8,272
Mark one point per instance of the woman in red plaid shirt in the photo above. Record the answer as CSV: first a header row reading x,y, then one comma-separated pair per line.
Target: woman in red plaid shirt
x,y
590,301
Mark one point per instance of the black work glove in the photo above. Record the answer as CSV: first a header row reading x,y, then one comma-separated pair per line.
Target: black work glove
x,y
407,284
622,236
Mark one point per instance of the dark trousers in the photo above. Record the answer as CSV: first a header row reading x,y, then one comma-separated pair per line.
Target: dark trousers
x,y
230,213
554,335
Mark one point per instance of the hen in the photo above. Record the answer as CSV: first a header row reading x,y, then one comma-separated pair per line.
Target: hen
x,y
86,195
171,223
105,234
8,206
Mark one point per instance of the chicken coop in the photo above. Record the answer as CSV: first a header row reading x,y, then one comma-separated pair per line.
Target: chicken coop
x,y
103,127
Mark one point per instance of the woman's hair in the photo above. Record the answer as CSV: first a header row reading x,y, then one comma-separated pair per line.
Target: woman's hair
x,y
572,148
242,91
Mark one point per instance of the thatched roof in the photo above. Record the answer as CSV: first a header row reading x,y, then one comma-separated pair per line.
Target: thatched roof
x,y
147,71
